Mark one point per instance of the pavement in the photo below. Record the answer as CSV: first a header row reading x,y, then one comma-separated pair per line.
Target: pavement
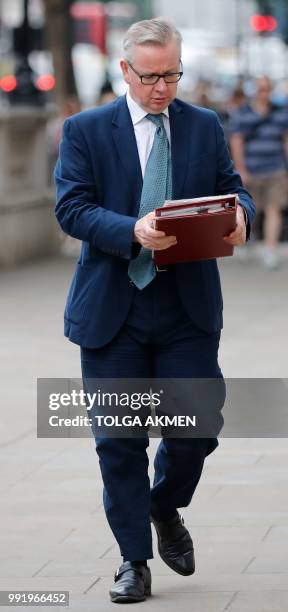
x,y
54,534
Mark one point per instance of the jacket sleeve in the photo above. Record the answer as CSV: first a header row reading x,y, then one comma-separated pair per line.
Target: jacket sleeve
x,y
228,180
77,211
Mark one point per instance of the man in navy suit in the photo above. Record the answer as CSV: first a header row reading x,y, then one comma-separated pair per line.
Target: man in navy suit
x,y
129,320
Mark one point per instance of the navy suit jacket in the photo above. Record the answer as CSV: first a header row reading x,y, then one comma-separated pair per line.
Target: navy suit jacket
x,y
99,181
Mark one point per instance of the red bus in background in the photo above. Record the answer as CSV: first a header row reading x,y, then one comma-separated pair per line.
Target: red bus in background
x,y
90,24
94,21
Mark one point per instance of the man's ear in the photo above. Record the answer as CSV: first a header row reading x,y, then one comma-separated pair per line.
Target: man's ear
x,y
125,71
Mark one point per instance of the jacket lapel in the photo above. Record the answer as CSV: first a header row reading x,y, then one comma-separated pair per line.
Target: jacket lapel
x,y
125,143
179,147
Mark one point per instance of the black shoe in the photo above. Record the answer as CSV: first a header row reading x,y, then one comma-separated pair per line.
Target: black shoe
x,y
132,583
175,545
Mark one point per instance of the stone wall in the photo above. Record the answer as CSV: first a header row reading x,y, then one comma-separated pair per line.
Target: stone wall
x,y
28,228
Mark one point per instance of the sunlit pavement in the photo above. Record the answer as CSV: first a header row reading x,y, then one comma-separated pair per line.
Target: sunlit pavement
x,y
54,533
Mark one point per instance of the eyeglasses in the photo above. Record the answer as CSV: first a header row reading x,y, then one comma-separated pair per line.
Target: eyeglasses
x,y
152,79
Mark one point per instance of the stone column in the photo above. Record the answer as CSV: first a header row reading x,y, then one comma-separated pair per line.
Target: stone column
x,y
28,228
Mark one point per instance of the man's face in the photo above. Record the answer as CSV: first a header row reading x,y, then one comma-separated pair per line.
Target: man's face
x,y
152,59
264,89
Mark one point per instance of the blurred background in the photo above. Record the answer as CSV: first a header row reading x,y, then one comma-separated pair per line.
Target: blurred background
x,y
60,56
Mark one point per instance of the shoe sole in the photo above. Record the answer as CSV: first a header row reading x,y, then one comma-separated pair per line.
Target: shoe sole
x,y
127,599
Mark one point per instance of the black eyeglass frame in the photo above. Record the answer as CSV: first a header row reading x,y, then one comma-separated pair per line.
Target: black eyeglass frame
x,y
158,76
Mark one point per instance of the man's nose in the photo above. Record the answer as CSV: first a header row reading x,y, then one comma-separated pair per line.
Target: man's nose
x,y
161,85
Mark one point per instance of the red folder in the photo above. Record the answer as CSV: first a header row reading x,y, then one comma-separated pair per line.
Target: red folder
x,y
199,225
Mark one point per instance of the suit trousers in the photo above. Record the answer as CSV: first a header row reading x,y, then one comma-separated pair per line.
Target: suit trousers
x,y
158,339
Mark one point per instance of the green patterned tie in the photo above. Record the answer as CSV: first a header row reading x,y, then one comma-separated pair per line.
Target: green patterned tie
x,y
157,187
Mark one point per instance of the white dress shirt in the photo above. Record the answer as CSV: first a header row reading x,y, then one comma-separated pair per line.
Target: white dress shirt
x,y
145,129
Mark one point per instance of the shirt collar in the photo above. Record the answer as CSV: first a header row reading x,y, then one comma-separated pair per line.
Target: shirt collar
x,y
137,112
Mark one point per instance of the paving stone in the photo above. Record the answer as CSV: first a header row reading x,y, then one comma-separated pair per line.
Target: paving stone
x,y
76,584
254,498
269,558
267,601
277,533
17,566
223,534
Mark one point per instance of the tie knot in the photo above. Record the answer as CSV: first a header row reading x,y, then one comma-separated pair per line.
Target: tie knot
x,y
156,119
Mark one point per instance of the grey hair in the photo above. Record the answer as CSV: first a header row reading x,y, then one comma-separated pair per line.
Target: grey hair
x,y
156,31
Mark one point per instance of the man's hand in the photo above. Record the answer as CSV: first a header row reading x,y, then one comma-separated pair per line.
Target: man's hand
x,y
148,237
238,236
